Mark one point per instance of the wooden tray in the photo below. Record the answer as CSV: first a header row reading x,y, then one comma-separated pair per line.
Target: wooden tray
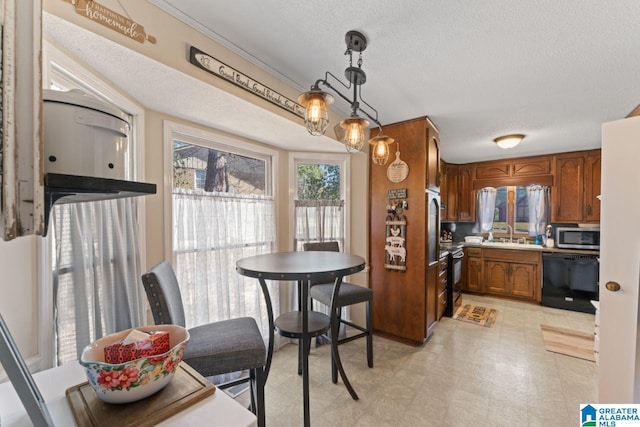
x,y
186,388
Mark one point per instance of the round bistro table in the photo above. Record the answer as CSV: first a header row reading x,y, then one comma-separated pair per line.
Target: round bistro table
x,y
303,267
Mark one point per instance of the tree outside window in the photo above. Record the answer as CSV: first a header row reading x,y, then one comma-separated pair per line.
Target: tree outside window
x,y
318,181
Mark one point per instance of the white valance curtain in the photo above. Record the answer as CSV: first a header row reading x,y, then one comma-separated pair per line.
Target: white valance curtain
x,y
96,273
318,221
538,202
211,232
485,209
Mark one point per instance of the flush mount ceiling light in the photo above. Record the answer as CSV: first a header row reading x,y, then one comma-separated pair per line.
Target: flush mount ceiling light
x,y
509,141
316,102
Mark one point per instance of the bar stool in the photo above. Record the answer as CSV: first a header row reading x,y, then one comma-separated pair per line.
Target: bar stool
x,y
349,294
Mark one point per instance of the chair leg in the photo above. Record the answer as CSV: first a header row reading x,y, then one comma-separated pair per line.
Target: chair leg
x,y
257,395
369,335
300,355
334,367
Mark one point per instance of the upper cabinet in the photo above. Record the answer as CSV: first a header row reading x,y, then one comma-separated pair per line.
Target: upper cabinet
x,y
577,183
574,179
434,173
466,195
514,171
449,192
592,169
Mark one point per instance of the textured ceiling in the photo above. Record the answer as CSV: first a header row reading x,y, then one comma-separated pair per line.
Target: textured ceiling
x,y
553,70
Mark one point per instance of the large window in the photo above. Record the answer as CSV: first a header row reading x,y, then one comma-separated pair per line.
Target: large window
x,y
222,209
512,208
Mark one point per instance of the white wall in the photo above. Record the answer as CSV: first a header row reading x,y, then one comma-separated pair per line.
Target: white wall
x,y
18,292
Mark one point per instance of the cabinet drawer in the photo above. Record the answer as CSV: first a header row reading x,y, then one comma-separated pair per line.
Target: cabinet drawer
x,y
525,256
442,284
443,263
473,251
442,303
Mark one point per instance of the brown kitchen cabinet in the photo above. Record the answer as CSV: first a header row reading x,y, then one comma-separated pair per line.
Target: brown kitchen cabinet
x,y
486,170
513,273
568,190
473,257
466,194
534,166
405,304
449,192
434,173
442,286
577,183
592,177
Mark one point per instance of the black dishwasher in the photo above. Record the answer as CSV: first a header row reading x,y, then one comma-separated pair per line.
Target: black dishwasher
x,y
570,281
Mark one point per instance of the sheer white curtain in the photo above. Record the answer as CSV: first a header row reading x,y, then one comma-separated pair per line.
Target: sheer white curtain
x,y
485,210
318,221
211,231
96,273
538,202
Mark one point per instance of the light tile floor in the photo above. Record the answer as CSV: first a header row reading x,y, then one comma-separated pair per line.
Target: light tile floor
x,y
465,375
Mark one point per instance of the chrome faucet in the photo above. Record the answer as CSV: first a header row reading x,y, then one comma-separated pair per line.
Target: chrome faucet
x,y
510,233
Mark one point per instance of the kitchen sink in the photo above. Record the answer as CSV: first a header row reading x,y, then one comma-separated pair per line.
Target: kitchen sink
x,y
510,245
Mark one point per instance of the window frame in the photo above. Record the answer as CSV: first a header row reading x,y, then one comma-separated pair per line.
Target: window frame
x,y
340,159
57,65
511,207
215,140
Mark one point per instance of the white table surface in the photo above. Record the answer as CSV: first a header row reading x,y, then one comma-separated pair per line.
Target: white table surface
x,y
218,409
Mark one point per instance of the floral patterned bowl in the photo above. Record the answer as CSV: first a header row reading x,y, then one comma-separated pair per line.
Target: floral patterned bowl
x,y
136,379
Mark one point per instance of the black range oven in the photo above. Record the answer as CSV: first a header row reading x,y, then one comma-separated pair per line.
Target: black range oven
x,y
454,285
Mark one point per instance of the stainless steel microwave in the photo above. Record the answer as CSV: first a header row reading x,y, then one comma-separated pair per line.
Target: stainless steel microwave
x,y
578,238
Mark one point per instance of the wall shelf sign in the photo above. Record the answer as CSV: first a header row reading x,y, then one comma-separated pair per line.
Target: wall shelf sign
x,y
110,19
395,243
230,74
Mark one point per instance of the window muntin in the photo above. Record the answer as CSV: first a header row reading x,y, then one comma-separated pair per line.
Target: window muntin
x,y
511,208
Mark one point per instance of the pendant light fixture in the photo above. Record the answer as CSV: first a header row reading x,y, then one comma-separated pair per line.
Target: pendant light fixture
x,y
316,102
380,148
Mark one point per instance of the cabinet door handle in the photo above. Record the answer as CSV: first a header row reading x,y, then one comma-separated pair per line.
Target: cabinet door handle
x,y
589,210
558,211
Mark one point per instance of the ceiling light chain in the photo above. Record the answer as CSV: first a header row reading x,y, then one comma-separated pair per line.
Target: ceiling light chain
x,y
316,102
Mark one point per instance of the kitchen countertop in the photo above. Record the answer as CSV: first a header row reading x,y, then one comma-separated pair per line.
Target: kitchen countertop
x,y
455,245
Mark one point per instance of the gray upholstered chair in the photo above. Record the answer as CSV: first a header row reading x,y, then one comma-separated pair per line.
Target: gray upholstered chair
x,y
349,294
216,348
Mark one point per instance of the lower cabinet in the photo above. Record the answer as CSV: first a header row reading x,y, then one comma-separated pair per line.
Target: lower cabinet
x,y
514,273
473,281
431,295
504,272
510,278
442,286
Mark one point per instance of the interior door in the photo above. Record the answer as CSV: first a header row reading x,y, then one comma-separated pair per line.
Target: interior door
x,y
619,371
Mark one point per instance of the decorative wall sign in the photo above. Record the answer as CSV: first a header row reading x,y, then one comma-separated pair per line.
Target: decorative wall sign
x,y
397,170
230,74
394,247
110,19
397,193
